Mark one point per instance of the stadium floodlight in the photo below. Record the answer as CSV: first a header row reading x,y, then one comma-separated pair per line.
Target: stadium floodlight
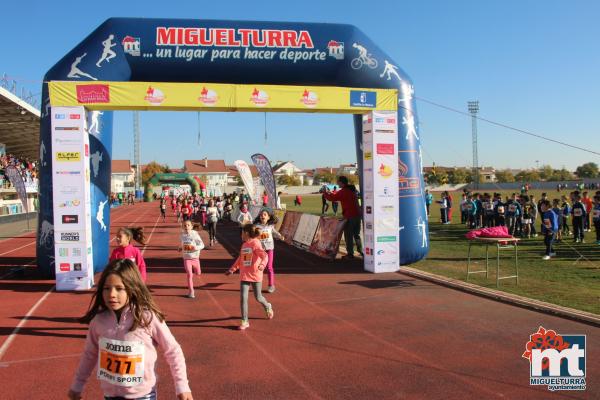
x,y
473,107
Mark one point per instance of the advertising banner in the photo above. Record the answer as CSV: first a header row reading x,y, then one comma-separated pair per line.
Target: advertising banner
x,y
16,179
289,225
266,176
326,241
102,95
279,214
380,177
305,232
246,175
71,199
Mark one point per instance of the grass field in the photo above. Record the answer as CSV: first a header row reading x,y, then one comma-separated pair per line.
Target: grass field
x,y
572,279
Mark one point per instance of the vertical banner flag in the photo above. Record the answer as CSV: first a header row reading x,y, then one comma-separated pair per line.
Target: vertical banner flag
x,y
246,175
72,200
380,178
266,176
16,179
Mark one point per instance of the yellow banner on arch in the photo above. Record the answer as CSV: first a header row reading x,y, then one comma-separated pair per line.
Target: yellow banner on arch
x,y
219,97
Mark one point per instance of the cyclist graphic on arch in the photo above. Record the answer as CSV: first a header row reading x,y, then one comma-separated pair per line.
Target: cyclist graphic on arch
x,y
107,53
363,58
389,70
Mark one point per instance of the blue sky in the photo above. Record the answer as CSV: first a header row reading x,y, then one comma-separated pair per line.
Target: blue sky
x,y
531,64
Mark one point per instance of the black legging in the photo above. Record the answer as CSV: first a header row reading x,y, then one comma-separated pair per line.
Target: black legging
x,y
212,230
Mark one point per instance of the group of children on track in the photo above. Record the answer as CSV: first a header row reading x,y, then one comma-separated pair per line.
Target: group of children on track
x,y
520,213
125,323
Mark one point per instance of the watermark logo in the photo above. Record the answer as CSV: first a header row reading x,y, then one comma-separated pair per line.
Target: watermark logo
x,y
208,96
260,98
131,45
556,361
96,93
154,95
309,98
385,171
336,49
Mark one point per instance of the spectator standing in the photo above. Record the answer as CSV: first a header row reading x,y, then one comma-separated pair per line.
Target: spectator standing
x,y
351,212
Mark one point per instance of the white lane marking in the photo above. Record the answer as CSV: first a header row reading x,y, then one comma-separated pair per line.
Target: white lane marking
x,y
13,335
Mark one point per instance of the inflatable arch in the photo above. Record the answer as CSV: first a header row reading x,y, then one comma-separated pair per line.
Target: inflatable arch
x,y
131,50
158,179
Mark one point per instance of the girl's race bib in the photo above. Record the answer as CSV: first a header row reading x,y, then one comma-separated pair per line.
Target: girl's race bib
x,y
577,212
596,214
500,209
547,223
512,208
247,257
121,362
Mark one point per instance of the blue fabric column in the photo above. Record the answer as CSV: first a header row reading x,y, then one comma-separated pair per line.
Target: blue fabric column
x,y
45,237
100,131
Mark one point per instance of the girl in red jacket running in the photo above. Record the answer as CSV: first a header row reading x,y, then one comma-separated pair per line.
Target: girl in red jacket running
x,y
251,263
126,250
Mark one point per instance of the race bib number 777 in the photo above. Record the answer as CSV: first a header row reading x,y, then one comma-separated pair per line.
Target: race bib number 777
x,y
121,362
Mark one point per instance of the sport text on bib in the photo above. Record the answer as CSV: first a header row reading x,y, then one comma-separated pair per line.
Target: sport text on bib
x,y
246,256
121,362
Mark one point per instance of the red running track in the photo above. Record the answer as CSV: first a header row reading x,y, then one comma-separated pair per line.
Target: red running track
x,y
338,333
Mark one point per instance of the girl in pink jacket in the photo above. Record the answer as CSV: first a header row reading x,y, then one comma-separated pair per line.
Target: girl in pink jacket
x,y
251,263
126,250
125,326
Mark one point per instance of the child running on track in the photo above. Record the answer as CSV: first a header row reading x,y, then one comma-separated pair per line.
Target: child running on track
x,y
125,328
163,209
251,263
126,250
212,213
191,244
265,222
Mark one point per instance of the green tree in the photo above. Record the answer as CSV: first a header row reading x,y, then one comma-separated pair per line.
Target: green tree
x,y
353,179
587,170
561,175
325,177
505,176
239,181
546,172
288,180
152,168
530,175
459,175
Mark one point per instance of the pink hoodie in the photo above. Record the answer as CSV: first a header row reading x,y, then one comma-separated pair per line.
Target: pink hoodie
x,y
132,253
125,360
251,261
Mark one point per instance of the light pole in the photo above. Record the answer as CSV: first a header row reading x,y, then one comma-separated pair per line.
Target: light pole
x,y
473,109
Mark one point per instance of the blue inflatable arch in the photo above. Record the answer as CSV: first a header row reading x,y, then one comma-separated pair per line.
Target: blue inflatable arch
x,y
132,49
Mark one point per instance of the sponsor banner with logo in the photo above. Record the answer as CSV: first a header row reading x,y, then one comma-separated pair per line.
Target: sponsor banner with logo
x,y
71,199
16,179
326,241
246,175
380,202
266,176
305,231
289,225
219,97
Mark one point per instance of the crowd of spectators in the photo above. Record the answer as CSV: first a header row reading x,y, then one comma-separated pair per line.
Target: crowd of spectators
x,y
27,168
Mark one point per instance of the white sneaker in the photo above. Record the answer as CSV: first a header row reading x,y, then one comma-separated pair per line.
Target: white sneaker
x,y
269,312
191,296
271,289
244,325
546,257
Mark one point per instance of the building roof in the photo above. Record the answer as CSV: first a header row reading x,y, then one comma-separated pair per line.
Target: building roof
x,y
205,166
19,126
326,170
232,170
121,167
